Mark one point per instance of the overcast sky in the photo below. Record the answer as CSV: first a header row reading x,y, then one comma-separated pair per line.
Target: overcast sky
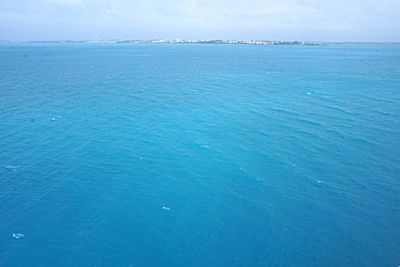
x,y
320,20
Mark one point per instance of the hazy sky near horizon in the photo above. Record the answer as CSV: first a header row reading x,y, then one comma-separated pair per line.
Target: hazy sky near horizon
x,y
339,20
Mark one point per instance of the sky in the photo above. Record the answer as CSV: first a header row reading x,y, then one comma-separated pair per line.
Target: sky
x,y
309,20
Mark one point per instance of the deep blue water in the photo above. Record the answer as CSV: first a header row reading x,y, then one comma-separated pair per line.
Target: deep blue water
x,y
199,155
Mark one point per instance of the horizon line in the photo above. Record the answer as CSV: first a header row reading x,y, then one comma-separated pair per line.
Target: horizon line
x,y
194,41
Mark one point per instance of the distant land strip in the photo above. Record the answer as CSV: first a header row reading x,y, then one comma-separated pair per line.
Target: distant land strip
x,y
176,41
182,41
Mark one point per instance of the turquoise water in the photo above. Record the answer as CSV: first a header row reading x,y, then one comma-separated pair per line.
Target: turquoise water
x,y
199,155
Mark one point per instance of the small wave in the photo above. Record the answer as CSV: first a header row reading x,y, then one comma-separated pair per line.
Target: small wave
x,y
18,235
56,118
12,167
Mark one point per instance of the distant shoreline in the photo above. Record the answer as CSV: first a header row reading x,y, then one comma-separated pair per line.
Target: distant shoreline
x,y
179,41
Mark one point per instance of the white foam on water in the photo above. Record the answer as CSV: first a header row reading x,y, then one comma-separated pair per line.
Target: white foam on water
x,y
12,167
18,235
308,93
165,208
53,119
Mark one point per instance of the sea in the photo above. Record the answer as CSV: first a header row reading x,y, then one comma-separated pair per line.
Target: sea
x,y
187,155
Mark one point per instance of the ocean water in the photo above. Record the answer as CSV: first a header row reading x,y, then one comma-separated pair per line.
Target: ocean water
x,y
199,155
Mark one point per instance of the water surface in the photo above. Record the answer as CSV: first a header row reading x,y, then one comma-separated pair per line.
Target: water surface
x,y
199,155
